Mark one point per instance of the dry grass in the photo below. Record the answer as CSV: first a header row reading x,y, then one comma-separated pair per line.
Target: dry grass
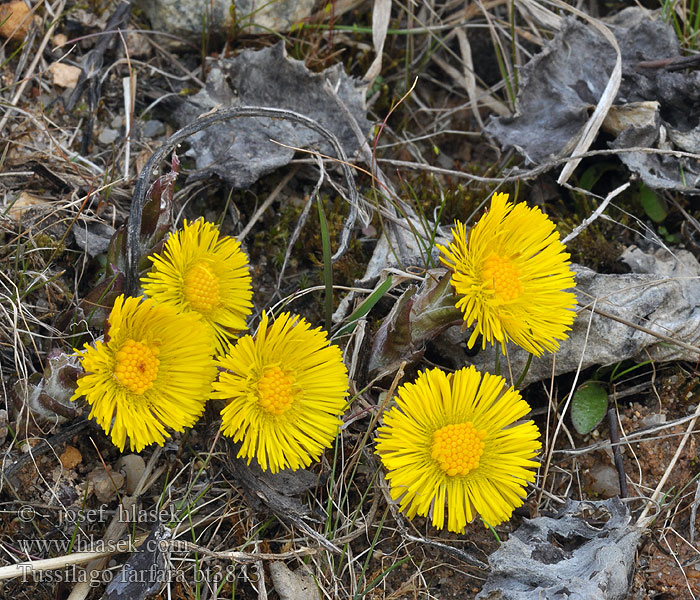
x,y
231,525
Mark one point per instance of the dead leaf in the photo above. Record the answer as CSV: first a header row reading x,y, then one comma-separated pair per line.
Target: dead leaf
x,y
561,85
240,151
293,585
146,570
586,552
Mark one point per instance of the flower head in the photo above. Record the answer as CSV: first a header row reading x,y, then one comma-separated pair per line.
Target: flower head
x,y
202,272
510,276
286,390
450,439
154,370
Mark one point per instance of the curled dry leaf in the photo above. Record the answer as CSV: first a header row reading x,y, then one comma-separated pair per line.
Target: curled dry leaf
x,y
655,102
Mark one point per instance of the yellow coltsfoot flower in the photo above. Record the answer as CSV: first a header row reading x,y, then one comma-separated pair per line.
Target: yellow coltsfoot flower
x,y
286,389
153,371
201,272
510,276
450,442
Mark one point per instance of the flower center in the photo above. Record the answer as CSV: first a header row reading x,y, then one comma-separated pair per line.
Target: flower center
x,y
457,448
275,391
201,288
137,366
501,275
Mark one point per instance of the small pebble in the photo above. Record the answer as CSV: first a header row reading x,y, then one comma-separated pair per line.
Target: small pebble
x,y
107,136
15,20
653,419
133,467
59,39
70,457
106,484
153,129
605,481
116,122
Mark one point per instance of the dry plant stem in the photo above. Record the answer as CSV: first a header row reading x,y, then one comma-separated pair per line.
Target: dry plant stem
x,y
560,423
265,205
32,567
403,530
301,221
642,436
656,334
644,519
615,443
138,199
32,67
116,529
246,558
596,213
593,125
694,511
518,174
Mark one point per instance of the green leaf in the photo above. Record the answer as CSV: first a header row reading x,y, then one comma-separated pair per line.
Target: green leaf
x,y
652,204
366,306
588,406
593,173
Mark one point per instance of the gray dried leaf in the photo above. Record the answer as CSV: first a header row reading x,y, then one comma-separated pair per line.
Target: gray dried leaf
x,y
240,151
660,294
293,585
561,85
146,570
587,552
93,237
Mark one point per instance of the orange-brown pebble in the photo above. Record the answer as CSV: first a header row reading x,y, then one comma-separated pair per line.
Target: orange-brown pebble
x,y
70,457
15,19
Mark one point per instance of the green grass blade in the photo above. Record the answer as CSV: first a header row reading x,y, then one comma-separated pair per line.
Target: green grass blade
x,y
327,267
366,306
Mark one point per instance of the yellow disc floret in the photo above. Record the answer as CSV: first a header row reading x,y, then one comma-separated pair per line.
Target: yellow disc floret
x,y
202,288
501,275
457,448
136,366
275,389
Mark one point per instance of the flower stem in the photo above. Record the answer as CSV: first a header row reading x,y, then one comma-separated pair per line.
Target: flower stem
x,y
525,370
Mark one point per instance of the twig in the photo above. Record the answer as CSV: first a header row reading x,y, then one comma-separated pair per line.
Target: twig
x,y
596,213
590,131
656,334
644,520
248,558
31,568
518,174
560,422
32,67
615,443
266,204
